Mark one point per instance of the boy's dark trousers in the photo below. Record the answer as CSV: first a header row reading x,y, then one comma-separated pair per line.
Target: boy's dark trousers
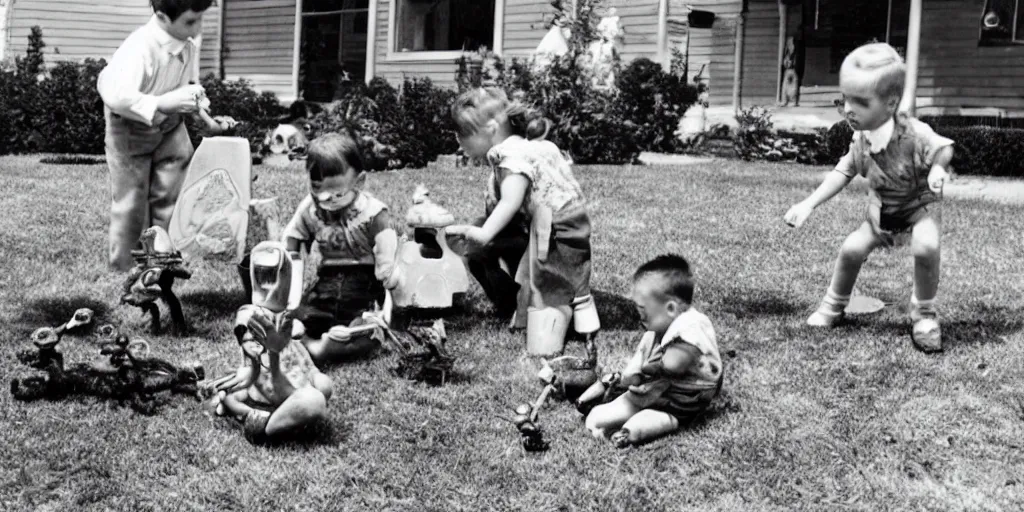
x,y
485,264
147,168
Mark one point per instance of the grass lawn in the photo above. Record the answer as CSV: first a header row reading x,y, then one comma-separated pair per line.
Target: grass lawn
x,y
848,419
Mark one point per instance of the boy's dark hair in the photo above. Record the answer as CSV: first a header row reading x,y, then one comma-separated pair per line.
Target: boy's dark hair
x,y
175,8
674,273
332,155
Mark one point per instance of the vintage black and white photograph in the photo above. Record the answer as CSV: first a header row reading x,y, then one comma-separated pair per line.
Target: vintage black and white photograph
x,y
512,255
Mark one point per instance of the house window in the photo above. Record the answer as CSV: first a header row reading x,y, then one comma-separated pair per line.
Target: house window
x,y
1002,23
442,25
333,49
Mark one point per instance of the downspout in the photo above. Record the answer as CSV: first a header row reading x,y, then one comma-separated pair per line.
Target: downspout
x,y
738,66
220,38
783,25
499,27
6,6
909,102
663,56
297,49
371,41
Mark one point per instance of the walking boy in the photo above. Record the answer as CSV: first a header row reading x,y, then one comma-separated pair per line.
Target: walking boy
x,y
905,163
146,90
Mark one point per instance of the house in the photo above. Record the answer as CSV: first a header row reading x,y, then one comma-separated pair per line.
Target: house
x,y
965,57
80,29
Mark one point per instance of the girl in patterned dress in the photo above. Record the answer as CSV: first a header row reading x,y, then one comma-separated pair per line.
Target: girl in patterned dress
x,y
532,178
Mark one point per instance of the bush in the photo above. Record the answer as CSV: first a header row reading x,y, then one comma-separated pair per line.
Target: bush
x,y
68,108
756,139
654,100
395,129
986,151
837,142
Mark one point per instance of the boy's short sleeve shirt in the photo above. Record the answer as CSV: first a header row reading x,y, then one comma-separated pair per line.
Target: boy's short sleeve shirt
x,y
352,238
898,173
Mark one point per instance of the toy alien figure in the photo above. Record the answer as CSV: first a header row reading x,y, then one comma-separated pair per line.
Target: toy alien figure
x,y
278,388
157,265
126,378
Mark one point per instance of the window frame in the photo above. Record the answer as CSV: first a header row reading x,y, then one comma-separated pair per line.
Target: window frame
x,y
439,55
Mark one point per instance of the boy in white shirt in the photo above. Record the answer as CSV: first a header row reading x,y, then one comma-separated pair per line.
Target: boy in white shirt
x,y
146,88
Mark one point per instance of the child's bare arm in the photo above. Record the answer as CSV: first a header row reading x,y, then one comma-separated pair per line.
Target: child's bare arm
x,y
939,174
513,193
833,183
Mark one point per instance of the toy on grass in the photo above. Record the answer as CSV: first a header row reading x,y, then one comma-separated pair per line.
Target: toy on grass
x,y
278,388
211,215
431,272
423,356
157,265
565,377
124,377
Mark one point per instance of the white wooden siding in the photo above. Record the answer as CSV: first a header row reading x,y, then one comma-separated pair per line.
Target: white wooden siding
x,y
80,29
259,40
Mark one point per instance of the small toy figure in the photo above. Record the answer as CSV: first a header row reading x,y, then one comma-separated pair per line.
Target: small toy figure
x,y
278,388
157,265
126,378
431,273
525,421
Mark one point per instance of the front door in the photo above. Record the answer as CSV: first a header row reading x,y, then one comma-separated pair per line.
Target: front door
x,y
333,47
826,31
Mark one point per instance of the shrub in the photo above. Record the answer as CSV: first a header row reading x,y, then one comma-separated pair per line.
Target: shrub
x,y
396,129
756,139
654,100
987,151
837,142
68,108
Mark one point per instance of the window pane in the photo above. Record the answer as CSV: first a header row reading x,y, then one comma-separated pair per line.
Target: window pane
x,y
444,25
997,22
333,5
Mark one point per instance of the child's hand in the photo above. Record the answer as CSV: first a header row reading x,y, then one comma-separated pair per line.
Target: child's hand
x,y
798,214
225,122
937,178
472,234
184,100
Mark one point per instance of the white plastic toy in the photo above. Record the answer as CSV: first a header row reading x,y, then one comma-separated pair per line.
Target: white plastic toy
x,y
212,213
431,272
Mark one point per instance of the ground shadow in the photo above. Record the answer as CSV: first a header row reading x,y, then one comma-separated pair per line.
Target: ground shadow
x,y
321,433
979,325
54,311
748,302
324,432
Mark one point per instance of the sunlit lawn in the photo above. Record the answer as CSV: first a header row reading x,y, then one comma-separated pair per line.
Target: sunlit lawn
x,y
852,418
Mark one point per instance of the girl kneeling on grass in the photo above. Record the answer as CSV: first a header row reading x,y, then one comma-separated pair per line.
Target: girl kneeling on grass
x,y
530,175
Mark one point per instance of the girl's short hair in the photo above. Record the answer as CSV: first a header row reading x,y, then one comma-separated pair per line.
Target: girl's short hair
x,y
473,109
880,65
333,155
